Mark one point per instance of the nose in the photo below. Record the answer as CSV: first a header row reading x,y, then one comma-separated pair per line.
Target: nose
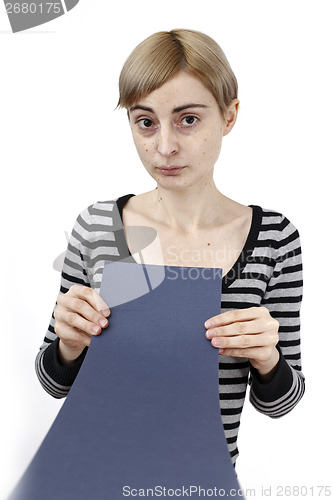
x,y
167,141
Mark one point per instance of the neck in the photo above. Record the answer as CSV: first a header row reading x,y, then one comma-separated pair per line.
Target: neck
x,y
189,210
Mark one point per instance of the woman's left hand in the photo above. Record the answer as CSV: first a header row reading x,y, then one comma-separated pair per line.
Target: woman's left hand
x,y
247,333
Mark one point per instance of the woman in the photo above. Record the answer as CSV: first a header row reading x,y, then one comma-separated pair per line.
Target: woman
x,y
181,98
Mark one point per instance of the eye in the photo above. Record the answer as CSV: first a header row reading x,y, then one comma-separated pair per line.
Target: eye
x,y
189,120
145,123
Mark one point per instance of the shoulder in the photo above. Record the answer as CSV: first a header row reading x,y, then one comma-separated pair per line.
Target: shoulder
x,y
102,212
97,219
97,211
277,230
275,221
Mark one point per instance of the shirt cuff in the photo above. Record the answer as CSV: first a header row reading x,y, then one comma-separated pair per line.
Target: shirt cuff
x,y
61,374
278,386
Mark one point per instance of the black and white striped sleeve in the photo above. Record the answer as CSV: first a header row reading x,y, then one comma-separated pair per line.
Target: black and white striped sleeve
x,y
282,298
56,378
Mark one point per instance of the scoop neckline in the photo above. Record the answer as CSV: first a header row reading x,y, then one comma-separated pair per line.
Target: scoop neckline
x,y
242,260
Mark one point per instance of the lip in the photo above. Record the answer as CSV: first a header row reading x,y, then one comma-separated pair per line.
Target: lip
x,y
171,170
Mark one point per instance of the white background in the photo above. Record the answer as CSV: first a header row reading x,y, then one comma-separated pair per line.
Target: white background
x,y
64,147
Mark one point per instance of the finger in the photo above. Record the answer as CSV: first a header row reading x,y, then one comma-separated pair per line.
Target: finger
x,y
76,321
255,353
240,328
82,308
91,296
244,341
234,316
72,338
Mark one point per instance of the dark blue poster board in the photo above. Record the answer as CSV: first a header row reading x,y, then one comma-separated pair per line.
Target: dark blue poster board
x,y
142,418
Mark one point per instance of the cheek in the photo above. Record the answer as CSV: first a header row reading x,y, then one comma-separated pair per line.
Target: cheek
x,y
209,148
147,147
145,150
140,143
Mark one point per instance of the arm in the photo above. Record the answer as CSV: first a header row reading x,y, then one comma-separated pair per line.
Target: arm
x,y
269,336
59,359
280,394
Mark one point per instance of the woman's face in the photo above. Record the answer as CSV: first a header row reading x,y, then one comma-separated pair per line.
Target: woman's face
x,y
177,130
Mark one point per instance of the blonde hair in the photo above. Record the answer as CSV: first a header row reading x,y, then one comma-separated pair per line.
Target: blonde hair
x,y
164,54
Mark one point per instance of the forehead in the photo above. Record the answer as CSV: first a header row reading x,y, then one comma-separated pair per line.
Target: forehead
x,y
180,90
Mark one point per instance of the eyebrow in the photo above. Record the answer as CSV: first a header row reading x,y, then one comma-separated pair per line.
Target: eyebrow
x,y
175,110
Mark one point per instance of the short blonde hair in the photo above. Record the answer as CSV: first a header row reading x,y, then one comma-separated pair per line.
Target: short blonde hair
x,y
164,54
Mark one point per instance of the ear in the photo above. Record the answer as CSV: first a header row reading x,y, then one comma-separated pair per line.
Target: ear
x,y
231,116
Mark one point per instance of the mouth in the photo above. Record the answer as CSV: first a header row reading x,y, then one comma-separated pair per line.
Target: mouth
x,y
172,170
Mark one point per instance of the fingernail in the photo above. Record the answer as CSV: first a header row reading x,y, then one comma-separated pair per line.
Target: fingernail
x,y
95,329
210,333
106,312
103,322
217,342
208,324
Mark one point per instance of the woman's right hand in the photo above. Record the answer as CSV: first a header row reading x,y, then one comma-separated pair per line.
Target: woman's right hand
x,y
79,314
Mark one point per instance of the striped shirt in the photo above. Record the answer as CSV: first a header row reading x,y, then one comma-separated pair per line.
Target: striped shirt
x,y
268,272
